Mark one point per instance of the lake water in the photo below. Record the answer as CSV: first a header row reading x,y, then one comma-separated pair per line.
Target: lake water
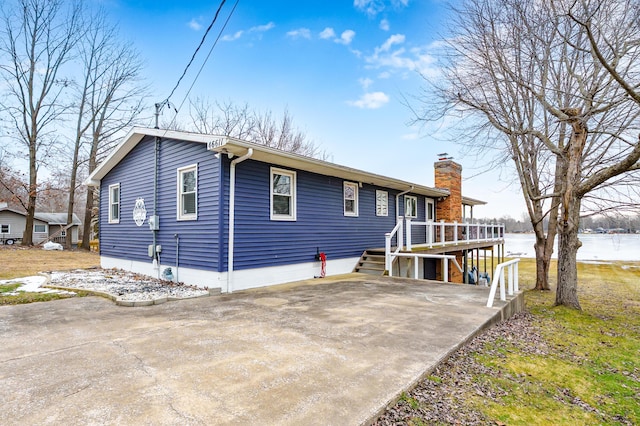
x,y
594,246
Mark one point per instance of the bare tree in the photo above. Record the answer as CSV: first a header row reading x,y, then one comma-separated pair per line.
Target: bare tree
x,y
240,121
521,74
108,99
36,41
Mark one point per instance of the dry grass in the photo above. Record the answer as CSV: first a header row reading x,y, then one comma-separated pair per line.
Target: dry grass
x,y
17,262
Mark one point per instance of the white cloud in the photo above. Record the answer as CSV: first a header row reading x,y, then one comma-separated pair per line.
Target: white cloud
x,y
194,25
391,56
300,33
365,82
262,28
384,25
346,37
233,36
372,100
411,136
373,7
328,33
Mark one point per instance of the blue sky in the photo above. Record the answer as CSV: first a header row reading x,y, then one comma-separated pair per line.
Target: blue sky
x,y
341,68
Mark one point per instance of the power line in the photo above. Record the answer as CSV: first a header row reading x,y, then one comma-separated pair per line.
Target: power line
x,y
198,48
206,59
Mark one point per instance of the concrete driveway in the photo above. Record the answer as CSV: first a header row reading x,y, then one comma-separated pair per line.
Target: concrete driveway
x,y
331,351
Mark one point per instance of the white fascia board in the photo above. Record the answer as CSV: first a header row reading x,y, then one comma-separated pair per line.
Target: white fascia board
x,y
300,162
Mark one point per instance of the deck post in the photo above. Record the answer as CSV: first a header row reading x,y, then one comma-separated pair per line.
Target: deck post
x,y
408,239
442,236
400,236
415,267
455,231
430,234
387,253
445,270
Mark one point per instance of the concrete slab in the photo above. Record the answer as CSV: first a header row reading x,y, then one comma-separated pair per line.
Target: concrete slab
x,y
331,351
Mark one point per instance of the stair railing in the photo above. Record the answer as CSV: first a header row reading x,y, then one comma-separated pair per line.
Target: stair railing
x,y
389,255
499,278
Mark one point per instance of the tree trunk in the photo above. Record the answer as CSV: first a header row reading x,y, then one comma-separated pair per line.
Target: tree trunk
x,y
568,245
543,258
88,212
568,242
27,237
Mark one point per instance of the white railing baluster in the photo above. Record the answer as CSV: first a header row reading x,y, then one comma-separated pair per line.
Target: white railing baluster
x,y
498,278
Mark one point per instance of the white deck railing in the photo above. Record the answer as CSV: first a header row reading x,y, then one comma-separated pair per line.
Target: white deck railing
x,y
446,258
442,233
499,277
390,256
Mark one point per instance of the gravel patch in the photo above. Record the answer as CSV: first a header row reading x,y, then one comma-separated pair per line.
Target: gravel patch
x,y
124,286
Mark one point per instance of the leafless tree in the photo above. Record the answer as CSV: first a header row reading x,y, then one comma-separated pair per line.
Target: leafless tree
x,y
240,121
107,100
521,74
36,41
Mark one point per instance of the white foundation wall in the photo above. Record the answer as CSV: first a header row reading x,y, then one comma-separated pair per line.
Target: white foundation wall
x,y
240,280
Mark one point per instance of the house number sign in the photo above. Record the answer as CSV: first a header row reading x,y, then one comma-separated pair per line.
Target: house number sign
x,y
139,212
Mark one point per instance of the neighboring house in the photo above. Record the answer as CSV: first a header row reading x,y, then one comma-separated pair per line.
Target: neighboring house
x,y
229,214
46,226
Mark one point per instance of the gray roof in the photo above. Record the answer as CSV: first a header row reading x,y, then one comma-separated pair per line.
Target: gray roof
x,y
56,218
49,218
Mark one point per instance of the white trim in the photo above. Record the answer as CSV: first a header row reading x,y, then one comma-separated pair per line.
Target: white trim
x,y
294,178
429,202
179,172
353,185
111,203
415,200
385,210
46,228
243,279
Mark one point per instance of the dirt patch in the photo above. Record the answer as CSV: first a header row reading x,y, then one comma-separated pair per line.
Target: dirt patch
x,y
17,262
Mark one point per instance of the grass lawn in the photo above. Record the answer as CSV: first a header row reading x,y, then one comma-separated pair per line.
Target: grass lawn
x,y
589,369
19,262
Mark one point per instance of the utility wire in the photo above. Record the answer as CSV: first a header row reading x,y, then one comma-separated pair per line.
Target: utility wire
x,y
205,60
197,49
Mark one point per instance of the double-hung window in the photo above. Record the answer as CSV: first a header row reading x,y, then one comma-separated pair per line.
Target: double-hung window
x,y
283,194
114,203
40,228
382,203
350,199
188,192
4,229
410,206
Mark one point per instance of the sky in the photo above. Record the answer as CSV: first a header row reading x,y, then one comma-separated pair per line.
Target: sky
x,y
343,69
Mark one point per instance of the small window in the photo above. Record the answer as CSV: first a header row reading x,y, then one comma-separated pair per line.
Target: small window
x,y
114,203
410,206
39,229
188,193
350,199
63,233
4,229
382,203
431,211
283,194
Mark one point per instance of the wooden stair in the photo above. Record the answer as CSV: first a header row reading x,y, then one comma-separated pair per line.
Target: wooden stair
x,y
371,262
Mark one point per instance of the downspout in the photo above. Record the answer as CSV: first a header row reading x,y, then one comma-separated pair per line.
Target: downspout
x,y
232,213
155,261
397,202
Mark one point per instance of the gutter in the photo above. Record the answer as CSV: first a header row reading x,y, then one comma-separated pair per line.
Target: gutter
x,y
232,213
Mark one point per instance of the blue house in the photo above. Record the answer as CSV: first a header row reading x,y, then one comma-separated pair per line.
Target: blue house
x,y
230,214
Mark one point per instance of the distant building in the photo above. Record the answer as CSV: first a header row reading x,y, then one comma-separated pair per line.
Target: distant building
x,y
46,226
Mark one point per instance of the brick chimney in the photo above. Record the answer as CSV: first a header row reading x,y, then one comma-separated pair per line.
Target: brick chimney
x,y
448,175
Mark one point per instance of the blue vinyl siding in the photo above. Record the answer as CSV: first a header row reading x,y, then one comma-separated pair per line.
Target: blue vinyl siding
x,y
199,239
320,222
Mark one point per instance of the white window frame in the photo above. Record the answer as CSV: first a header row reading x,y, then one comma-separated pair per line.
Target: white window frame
x,y
293,195
353,185
113,219
40,232
430,207
179,194
8,229
63,233
382,206
407,199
